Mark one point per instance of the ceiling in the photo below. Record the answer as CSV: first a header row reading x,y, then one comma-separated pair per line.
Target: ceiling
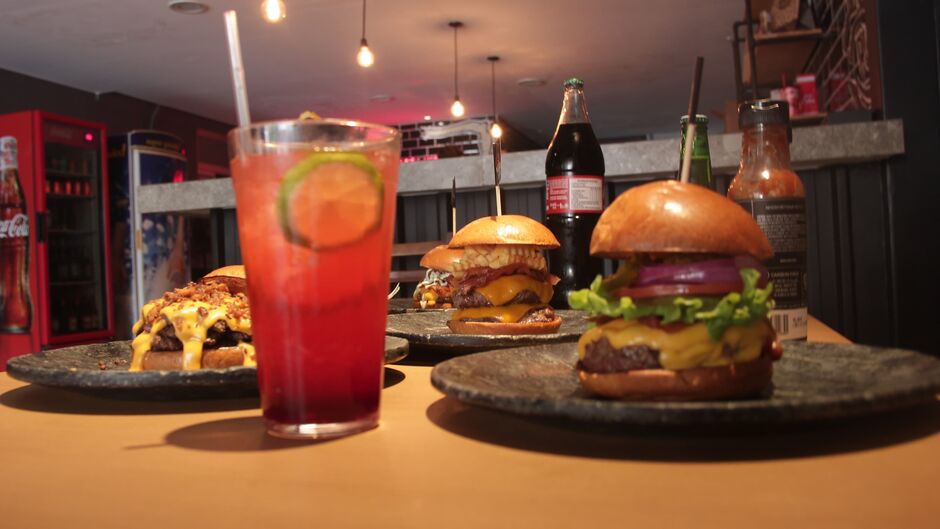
x,y
636,57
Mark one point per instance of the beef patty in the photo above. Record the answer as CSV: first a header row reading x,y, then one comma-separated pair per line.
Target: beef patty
x,y
602,357
466,300
218,336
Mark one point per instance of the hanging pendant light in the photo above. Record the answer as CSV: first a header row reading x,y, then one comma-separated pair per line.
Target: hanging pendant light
x,y
273,11
495,131
457,109
365,57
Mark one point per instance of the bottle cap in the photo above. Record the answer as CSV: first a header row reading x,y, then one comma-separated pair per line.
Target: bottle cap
x,y
574,82
763,112
700,119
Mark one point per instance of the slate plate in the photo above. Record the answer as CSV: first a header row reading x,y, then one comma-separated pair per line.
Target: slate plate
x,y
428,330
79,368
813,381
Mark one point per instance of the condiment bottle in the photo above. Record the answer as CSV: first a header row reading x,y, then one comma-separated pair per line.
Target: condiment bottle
x,y
767,188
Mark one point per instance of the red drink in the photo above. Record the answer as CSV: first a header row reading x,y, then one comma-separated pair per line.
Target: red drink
x,y
316,232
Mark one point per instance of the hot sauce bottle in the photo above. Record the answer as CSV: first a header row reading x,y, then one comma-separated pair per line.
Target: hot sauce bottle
x,y
767,188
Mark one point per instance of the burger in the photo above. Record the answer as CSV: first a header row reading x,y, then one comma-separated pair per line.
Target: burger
x,y
684,317
503,285
435,291
206,324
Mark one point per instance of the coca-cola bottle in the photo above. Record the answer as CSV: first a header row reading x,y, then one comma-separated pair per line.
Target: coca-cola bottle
x,y
15,306
574,195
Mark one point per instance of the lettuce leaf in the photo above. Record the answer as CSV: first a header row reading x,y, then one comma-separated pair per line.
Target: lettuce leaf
x,y
735,308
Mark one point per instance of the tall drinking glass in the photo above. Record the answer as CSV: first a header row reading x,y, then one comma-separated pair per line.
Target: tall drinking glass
x,y
316,204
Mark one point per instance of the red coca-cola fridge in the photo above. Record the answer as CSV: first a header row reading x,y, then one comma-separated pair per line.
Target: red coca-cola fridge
x,y
55,280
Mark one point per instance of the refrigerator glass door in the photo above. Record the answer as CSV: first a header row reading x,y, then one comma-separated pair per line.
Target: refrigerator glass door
x,y
162,258
77,293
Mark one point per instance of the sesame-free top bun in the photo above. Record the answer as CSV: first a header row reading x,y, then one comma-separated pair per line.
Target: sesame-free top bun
x,y
504,229
232,276
672,217
441,258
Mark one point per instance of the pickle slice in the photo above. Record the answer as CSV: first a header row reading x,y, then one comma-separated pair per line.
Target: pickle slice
x,y
330,200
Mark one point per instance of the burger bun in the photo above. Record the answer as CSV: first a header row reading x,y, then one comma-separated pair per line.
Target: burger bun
x,y
211,359
481,327
232,276
505,230
670,217
746,379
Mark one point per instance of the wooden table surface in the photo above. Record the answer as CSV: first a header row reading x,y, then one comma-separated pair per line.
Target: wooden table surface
x,y
76,461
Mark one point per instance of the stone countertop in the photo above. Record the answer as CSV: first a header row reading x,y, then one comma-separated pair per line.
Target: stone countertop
x,y
812,147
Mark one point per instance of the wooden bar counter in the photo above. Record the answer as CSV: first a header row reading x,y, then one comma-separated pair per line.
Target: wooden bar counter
x,y
73,461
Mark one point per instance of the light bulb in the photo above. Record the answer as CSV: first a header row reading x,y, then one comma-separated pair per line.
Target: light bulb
x,y
457,109
365,57
273,10
496,131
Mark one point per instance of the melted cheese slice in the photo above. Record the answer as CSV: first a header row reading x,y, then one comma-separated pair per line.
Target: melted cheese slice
x,y
191,322
505,314
502,290
685,349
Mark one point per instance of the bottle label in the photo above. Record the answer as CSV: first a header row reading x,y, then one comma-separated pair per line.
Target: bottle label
x,y
783,220
574,194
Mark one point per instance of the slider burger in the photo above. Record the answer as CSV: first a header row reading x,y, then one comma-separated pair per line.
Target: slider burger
x,y
685,315
503,285
435,291
206,324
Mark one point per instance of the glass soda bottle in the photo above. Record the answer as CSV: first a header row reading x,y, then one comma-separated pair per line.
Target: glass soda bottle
x,y
768,189
700,171
15,305
574,195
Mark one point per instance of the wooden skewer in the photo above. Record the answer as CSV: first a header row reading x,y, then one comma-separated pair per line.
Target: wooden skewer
x,y
497,169
690,128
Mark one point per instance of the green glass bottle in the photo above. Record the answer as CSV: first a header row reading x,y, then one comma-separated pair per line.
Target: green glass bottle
x,y
701,171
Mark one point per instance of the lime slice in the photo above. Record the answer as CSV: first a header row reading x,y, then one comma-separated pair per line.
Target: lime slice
x,y
330,200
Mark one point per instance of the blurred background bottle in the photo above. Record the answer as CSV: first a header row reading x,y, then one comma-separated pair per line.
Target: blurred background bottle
x,y
16,310
768,189
574,194
700,171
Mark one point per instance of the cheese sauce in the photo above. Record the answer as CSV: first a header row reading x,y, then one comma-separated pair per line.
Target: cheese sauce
x,y
191,322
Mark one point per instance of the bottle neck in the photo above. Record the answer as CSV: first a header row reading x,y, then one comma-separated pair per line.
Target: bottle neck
x,y
699,145
574,107
765,147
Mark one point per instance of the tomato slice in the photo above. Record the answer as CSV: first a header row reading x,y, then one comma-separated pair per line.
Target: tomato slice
x,y
679,289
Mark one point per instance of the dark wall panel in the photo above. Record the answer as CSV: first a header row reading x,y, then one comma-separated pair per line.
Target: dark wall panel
x,y
119,113
910,64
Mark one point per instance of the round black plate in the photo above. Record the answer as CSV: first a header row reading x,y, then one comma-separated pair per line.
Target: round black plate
x,y
102,369
813,381
428,330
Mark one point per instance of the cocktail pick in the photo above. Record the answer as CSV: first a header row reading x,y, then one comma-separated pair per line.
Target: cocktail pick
x,y
690,128
497,170
453,206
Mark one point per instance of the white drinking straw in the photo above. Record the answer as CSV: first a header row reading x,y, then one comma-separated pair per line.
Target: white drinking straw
x,y
238,69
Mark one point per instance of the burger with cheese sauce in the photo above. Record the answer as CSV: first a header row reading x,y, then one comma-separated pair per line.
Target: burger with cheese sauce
x,y
206,324
685,315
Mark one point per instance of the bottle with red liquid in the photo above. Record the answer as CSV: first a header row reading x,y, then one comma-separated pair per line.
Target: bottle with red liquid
x,y
574,195
15,304
773,194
